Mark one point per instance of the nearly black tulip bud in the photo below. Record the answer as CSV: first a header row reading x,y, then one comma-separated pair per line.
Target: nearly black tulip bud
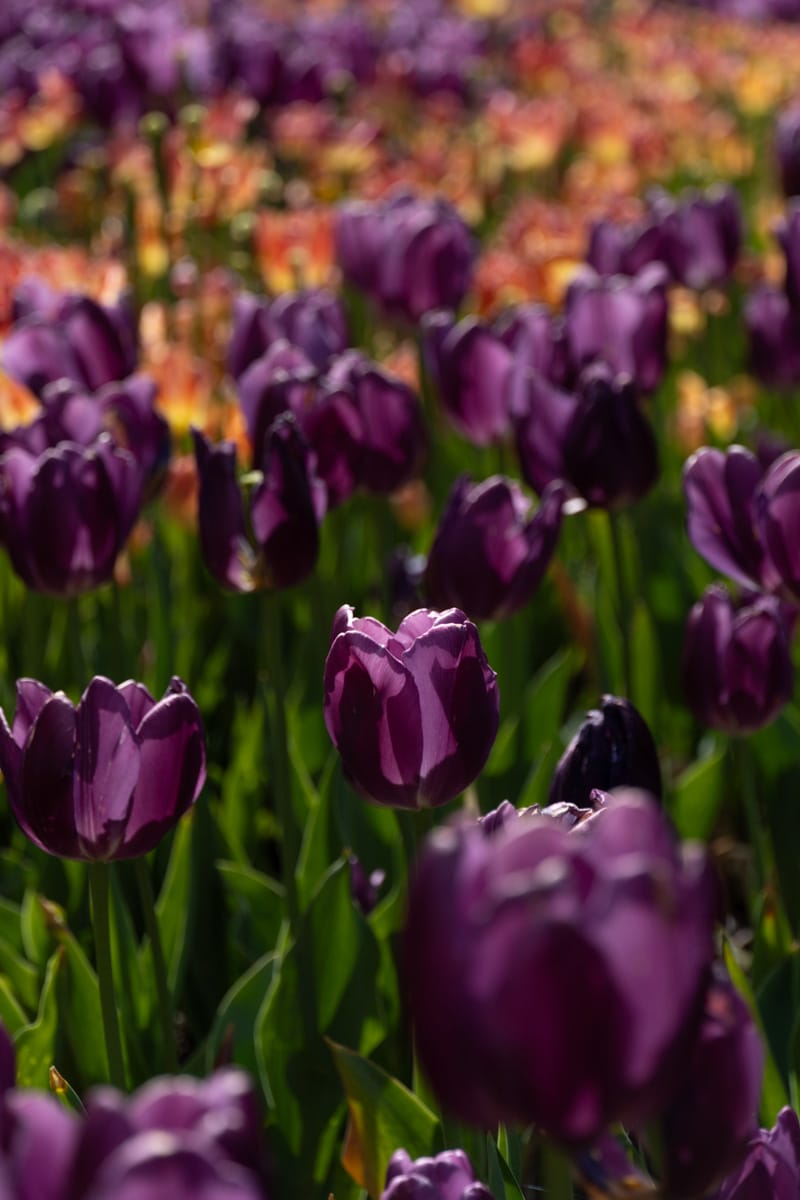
x,y
787,149
613,748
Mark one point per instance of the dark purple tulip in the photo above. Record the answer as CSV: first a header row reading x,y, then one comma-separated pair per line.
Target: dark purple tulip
x,y
621,322
410,254
86,342
720,488
364,888
556,975
771,1169
135,423
787,149
65,515
286,507
701,235
788,234
281,380
713,1113
537,340
624,249
107,778
471,367
313,321
737,665
774,331
448,1176
777,508
38,1140
596,439
157,1166
413,714
613,748
392,438
491,552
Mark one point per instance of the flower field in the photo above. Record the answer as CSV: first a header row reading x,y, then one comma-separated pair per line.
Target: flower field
x,y
400,572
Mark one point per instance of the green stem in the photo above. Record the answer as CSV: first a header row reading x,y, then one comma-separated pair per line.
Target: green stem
x,y
159,966
281,766
757,835
623,612
98,890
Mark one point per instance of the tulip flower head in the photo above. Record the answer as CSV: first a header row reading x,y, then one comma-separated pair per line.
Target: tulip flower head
x,y
413,714
448,1176
106,778
771,1167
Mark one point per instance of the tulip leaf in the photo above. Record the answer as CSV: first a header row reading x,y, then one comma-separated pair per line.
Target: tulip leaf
x,y
22,976
697,795
384,1116
545,700
172,906
773,1092
36,936
35,1045
256,908
784,825
777,1008
232,1037
11,1014
243,781
645,684
502,1181
79,1009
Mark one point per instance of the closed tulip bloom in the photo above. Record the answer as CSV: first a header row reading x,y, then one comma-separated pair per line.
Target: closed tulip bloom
x,y
771,1168
312,320
596,438
413,714
713,1113
621,322
788,234
66,515
282,380
286,507
536,339
701,235
773,327
491,550
737,665
777,508
471,367
624,249
720,489
787,149
106,778
448,1176
613,748
556,975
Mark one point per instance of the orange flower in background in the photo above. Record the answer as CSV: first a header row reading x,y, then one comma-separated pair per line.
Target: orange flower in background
x,y
294,249
18,406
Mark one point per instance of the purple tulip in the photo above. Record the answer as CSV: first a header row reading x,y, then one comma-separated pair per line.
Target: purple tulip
x,y
536,339
448,1176
471,367
787,149
38,1142
313,321
621,322
556,976
65,515
777,507
788,234
613,748
491,552
737,665
720,489
596,439
286,507
282,380
771,1168
365,889
624,249
411,255
773,327
413,714
701,235
713,1113
107,778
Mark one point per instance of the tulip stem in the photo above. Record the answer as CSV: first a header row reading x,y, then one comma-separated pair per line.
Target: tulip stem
x,y
281,766
159,965
622,600
98,891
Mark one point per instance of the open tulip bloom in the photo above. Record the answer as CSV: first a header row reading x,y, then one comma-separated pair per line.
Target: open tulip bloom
x,y
106,778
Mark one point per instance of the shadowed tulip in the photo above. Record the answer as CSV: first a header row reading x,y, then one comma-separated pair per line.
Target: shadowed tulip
x,y
471,368
624,249
107,778
65,515
613,748
701,235
448,1176
313,321
286,507
621,322
774,331
787,149
556,975
737,665
788,234
771,1168
777,509
536,338
413,714
491,550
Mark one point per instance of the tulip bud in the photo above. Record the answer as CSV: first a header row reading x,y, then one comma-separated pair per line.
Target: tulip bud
x,y
613,748
490,552
448,1176
771,1167
471,367
413,714
737,665
701,235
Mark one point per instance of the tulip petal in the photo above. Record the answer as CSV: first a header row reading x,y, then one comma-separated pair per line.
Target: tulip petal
x,y
106,769
43,803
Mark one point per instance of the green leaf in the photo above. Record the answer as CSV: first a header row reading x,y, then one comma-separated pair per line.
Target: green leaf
x,y
645,667
235,1023
11,1014
37,938
256,907
502,1182
783,818
35,1045
21,975
80,1012
545,701
697,795
384,1116
172,906
773,1092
